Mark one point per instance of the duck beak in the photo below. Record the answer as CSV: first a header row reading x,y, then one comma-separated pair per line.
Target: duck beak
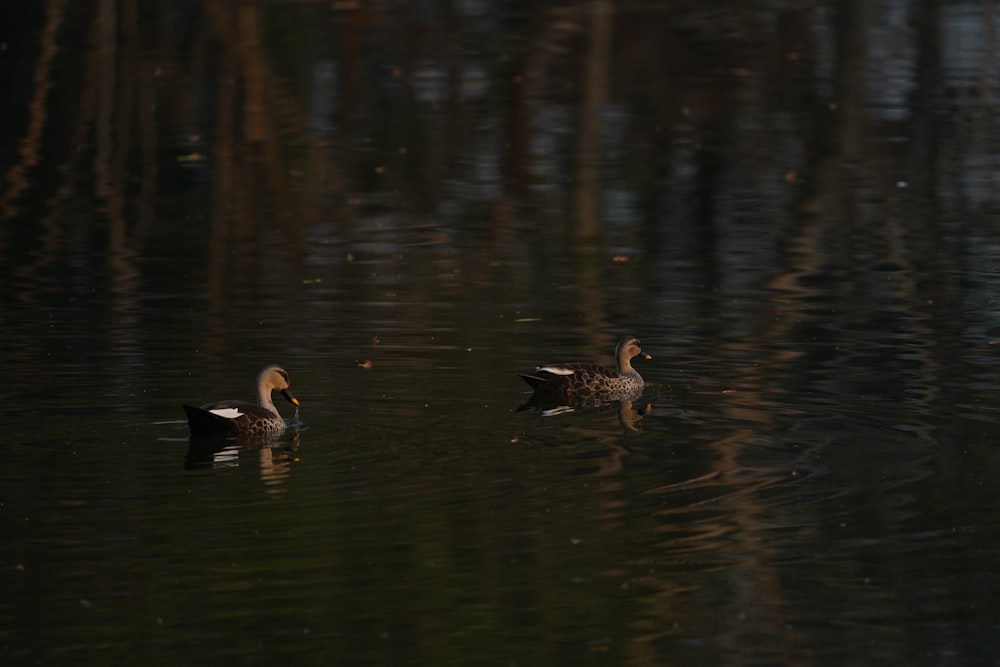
x,y
647,356
288,397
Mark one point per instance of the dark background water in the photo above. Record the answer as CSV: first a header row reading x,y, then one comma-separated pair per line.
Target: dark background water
x,y
794,205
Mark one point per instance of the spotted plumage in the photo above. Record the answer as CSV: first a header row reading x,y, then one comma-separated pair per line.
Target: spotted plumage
x,y
590,379
241,417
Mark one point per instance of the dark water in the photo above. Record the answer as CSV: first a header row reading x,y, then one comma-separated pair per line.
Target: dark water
x,y
405,205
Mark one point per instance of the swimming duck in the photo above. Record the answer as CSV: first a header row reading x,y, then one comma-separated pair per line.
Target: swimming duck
x,y
240,417
585,378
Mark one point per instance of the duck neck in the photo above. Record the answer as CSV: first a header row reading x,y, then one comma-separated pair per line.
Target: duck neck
x,y
624,361
264,398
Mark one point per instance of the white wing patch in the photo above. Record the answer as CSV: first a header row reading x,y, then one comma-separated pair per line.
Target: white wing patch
x,y
557,370
228,413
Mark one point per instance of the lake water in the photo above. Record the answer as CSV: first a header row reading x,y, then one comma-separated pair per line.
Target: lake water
x,y
794,208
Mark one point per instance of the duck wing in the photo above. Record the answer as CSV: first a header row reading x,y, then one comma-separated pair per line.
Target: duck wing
x,y
224,417
557,377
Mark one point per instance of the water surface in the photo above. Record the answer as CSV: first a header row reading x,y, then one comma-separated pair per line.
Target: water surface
x,y
405,206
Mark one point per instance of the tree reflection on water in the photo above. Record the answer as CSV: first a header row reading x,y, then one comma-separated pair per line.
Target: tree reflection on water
x,y
795,201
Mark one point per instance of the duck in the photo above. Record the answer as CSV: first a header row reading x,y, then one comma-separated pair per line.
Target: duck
x,y
241,417
591,379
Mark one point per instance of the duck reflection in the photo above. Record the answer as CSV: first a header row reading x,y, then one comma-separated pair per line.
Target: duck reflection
x,y
275,456
625,405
